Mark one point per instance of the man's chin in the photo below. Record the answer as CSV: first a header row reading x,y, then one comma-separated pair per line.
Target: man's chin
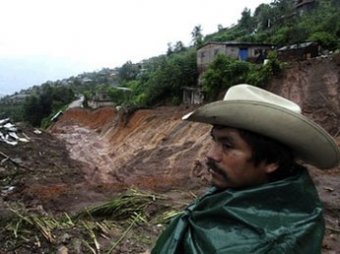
x,y
218,185
217,180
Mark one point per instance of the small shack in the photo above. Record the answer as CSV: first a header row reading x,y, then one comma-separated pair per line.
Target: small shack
x,y
246,51
299,51
192,95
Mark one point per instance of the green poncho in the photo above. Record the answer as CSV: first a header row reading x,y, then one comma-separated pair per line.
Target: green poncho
x,y
278,217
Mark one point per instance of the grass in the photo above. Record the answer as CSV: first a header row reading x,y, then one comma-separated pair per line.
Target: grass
x,y
123,207
99,229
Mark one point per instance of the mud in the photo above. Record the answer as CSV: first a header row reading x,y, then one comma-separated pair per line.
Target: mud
x,y
88,156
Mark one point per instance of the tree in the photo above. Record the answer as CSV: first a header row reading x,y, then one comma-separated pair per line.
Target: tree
x,y
219,27
246,22
326,40
263,17
197,36
179,47
128,71
222,73
32,111
167,81
282,12
169,50
49,100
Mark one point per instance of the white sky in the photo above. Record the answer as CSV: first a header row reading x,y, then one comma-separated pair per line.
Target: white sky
x,y
87,35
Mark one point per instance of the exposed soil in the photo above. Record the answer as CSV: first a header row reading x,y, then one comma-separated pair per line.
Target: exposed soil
x,y
90,156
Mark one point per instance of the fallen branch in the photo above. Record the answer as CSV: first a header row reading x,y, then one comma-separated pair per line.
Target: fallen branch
x,y
7,158
4,155
334,230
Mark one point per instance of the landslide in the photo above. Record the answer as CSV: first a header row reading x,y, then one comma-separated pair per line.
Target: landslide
x,y
154,149
39,173
89,156
149,148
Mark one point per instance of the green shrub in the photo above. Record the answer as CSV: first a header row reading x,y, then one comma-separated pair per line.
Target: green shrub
x,y
326,40
223,73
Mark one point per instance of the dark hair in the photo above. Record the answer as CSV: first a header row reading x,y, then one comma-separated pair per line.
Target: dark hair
x,y
268,150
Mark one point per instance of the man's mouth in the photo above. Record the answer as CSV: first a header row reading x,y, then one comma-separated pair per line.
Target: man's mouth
x,y
213,168
216,172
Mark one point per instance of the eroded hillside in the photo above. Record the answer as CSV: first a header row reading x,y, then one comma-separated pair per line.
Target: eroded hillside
x,y
149,148
315,85
155,149
89,156
155,146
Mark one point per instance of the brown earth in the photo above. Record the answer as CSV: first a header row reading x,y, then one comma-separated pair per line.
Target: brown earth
x,y
89,156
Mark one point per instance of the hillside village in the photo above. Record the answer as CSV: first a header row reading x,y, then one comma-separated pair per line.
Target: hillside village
x,y
206,54
267,29
107,175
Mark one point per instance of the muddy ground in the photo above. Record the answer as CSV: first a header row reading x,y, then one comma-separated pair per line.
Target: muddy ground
x,y
69,169
48,180
90,157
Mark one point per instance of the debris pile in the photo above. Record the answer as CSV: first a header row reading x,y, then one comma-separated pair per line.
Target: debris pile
x,y
9,133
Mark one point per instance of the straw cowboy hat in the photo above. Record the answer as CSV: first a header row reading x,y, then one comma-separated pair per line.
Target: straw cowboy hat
x,y
251,108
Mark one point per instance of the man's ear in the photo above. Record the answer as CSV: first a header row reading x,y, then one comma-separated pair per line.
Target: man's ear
x,y
271,167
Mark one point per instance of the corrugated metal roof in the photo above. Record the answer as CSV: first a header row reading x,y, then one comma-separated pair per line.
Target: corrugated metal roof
x,y
297,46
236,43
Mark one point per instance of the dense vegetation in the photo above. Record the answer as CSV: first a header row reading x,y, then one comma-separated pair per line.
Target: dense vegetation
x,y
40,107
161,79
225,72
280,23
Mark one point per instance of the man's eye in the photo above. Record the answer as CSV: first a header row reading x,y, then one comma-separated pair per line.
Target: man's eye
x,y
226,145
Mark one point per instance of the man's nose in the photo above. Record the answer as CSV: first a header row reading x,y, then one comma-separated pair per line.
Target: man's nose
x,y
215,152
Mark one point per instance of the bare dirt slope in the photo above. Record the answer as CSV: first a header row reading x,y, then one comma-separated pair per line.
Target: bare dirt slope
x,y
315,85
156,149
152,149
89,156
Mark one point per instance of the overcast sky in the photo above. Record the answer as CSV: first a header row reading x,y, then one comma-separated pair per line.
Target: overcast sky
x,y
44,40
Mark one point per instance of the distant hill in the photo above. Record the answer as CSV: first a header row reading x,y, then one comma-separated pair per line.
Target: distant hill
x,y
18,73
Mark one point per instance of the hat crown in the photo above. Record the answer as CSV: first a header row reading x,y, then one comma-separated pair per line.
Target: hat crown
x,y
252,93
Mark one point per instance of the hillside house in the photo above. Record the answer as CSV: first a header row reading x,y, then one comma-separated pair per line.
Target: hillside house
x,y
302,6
299,51
246,51
100,99
254,52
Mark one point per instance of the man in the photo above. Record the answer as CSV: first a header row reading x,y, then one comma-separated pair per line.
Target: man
x,y
262,200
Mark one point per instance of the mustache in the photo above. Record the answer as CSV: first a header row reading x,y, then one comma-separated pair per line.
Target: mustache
x,y
211,164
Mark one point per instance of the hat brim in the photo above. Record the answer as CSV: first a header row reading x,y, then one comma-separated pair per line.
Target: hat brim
x,y
308,140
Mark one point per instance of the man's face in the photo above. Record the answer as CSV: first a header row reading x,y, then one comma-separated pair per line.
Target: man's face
x,y
229,161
